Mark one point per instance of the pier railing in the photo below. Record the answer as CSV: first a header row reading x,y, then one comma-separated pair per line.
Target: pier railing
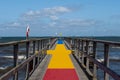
x,y
33,57
86,52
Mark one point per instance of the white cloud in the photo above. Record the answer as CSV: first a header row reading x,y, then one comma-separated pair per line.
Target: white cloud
x,y
54,17
11,24
30,13
52,24
77,23
46,12
49,20
56,10
15,24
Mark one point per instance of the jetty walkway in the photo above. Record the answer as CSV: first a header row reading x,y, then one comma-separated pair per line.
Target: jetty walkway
x,y
61,58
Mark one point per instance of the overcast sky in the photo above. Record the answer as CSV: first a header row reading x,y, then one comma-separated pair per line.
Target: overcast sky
x,y
51,17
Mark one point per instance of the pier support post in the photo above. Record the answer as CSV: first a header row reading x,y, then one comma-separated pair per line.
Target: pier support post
x,y
94,66
106,60
16,60
34,53
87,60
83,56
27,55
38,50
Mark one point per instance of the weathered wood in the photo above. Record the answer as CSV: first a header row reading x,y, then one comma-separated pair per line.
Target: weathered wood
x,y
27,55
87,60
16,60
40,70
20,42
94,65
80,72
43,45
16,69
93,59
29,58
34,44
102,67
106,60
83,56
38,49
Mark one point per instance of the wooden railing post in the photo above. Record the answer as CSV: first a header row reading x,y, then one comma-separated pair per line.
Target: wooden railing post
x,y
79,50
94,66
34,53
76,50
41,44
87,60
38,45
49,44
27,55
16,60
82,53
106,60
38,50
87,52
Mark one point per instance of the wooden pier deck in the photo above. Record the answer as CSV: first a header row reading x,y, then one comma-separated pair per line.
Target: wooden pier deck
x,y
39,73
61,58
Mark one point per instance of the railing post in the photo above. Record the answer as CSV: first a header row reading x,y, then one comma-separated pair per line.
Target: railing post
x,y
94,66
76,46
38,46
49,44
106,60
38,49
34,53
87,52
16,60
41,44
27,55
87,60
82,53
79,50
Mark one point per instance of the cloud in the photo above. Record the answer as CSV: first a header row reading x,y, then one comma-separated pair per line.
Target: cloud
x,y
73,23
46,12
49,21
54,17
13,24
56,10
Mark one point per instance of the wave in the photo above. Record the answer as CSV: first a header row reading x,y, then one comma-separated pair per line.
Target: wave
x,y
11,57
3,68
116,47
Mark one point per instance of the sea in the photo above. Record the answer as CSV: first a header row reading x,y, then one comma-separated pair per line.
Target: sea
x,y
6,55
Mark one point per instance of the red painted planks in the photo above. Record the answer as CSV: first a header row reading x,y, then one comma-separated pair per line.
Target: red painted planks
x,y
60,74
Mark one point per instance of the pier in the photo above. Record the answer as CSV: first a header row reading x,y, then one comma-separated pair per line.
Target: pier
x,y
61,58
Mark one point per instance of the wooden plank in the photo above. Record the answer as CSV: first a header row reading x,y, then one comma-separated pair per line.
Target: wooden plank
x,y
41,69
80,72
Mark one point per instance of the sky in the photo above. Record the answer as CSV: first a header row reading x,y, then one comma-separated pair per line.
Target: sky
x,y
54,17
